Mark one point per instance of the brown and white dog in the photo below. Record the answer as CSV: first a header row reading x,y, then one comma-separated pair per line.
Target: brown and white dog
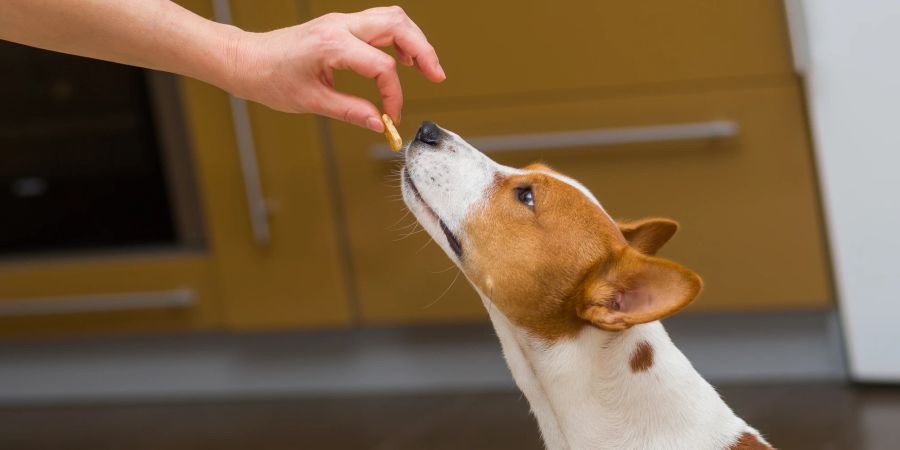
x,y
575,299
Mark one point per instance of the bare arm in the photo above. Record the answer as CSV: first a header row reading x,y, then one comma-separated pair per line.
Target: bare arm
x,y
288,69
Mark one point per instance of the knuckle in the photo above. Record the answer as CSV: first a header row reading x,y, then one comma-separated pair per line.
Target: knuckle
x,y
331,17
398,15
328,34
347,114
386,64
328,38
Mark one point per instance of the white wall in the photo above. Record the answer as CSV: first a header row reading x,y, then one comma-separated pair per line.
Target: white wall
x,y
851,59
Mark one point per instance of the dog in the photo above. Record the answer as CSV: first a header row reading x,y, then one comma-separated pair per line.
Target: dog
x,y
575,299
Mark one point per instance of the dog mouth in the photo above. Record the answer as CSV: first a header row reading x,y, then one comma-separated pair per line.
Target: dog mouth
x,y
452,240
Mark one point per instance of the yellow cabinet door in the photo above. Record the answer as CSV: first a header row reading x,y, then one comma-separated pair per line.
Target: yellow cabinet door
x,y
294,279
88,295
747,203
541,48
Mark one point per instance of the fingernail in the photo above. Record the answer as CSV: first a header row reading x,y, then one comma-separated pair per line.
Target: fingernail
x,y
375,124
440,70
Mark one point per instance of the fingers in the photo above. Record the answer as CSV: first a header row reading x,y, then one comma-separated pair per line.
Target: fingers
x,y
371,62
386,26
404,59
348,108
377,27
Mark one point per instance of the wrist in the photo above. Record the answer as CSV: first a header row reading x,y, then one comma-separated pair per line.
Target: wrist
x,y
224,58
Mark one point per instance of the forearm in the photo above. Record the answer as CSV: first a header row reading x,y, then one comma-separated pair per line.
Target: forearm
x,y
156,34
288,69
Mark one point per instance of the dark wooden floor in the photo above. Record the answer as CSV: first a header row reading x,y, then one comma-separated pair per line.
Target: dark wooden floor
x,y
794,417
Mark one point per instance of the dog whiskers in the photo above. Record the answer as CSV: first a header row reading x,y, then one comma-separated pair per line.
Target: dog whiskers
x,y
405,215
445,291
445,270
430,240
403,227
417,230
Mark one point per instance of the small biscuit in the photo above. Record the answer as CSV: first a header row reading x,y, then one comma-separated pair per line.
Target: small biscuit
x,y
391,134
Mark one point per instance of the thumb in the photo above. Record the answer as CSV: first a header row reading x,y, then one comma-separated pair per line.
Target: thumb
x,y
349,108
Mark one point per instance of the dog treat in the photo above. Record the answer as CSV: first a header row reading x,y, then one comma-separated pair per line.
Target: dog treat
x,y
391,134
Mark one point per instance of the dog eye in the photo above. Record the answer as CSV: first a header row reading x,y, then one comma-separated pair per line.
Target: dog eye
x,y
525,196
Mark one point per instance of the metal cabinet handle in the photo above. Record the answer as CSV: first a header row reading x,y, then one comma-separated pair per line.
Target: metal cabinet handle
x,y
243,132
715,129
46,306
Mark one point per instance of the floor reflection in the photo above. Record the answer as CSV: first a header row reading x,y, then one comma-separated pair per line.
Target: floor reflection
x,y
793,416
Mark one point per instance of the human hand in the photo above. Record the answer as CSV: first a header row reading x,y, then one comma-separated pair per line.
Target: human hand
x,y
291,69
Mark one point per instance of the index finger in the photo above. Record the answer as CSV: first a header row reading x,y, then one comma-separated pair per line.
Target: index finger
x,y
390,25
371,62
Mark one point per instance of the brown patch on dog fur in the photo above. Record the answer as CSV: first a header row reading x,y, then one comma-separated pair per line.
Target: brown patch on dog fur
x,y
642,358
564,264
529,261
748,441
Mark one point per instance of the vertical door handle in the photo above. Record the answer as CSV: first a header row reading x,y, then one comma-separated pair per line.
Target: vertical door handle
x,y
243,132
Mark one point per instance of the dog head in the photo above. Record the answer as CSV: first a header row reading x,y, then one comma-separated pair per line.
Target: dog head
x,y
537,244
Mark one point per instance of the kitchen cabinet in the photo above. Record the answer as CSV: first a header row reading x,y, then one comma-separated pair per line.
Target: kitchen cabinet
x,y
229,280
496,52
688,110
731,165
643,74
295,279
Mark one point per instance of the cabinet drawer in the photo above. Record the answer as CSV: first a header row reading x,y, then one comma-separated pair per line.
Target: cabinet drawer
x,y
493,48
166,291
747,203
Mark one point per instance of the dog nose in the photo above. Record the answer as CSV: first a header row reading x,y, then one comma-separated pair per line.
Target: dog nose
x,y
428,133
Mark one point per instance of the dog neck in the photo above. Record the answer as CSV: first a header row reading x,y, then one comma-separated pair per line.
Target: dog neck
x,y
617,390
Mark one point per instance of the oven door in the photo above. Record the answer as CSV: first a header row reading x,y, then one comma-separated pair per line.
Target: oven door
x,y
102,227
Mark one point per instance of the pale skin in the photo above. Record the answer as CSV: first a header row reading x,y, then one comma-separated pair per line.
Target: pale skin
x,y
289,69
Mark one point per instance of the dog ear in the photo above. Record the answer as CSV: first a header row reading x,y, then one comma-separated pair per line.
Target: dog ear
x,y
540,167
648,235
635,288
